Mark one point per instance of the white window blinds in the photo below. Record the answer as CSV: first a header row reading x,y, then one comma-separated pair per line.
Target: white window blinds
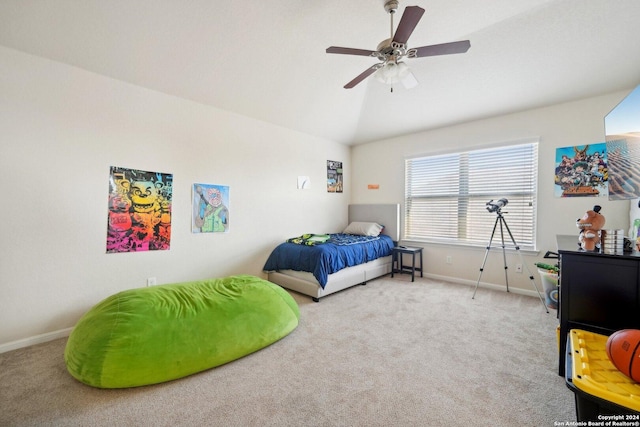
x,y
446,196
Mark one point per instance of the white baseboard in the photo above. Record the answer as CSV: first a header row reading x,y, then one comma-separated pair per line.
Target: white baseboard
x,y
26,342
472,283
38,339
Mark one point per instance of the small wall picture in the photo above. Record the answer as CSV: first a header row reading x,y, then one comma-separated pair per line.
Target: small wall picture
x,y
334,176
210,208
304,182
139,214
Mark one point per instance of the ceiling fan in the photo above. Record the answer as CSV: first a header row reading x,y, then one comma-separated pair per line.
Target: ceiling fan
x,y
391,51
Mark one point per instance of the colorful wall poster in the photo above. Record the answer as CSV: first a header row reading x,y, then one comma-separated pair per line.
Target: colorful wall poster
x,y
582,171
210,208
334,176
139,217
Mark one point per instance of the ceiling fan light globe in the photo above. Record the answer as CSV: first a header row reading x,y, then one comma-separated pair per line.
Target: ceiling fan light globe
x,y
392,73
409,81
387,74
402,70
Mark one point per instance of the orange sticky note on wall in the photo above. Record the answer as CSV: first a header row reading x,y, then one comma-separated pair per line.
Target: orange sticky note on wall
x,y
373,186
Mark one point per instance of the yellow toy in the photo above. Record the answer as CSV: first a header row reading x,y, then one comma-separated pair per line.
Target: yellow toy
x,y
590,225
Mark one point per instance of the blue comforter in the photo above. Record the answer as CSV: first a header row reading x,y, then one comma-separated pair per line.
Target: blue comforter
x,y
339,252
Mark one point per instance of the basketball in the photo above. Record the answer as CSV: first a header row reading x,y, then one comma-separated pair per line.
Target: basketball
x,y
623,349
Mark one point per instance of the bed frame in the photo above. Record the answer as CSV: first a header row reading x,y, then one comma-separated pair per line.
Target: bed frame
x,y
305,283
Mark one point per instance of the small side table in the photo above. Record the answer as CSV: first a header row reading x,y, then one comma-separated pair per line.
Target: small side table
x,y
396,261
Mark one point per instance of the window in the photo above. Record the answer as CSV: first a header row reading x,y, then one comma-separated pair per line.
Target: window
x,y
446,196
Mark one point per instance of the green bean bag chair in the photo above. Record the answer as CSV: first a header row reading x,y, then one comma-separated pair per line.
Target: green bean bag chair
x,y
151,335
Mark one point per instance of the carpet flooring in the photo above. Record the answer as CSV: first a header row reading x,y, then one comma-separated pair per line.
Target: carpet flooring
x,y
391,353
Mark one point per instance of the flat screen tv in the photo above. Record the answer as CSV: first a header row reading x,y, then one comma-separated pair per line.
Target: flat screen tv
x,y
622,129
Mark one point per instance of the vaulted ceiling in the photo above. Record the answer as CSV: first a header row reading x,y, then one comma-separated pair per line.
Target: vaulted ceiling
x,y
267,60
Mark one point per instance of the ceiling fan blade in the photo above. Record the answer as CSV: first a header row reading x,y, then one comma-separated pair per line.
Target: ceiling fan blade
x,y
350,51
408,22
441,49
362,76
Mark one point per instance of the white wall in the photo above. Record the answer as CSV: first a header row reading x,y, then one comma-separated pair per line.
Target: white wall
x,y
575,123
61,130
62,127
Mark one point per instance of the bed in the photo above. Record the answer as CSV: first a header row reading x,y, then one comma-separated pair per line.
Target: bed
x,y
308,280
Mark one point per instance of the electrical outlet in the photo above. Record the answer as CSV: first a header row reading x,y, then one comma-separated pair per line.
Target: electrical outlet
x,y
449,259
518,268
151,281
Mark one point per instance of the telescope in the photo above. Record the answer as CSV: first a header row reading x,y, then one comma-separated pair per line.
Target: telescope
x,y
496,206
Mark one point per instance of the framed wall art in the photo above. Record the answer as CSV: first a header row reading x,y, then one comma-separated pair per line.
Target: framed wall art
x,y
210,208
139,211
582,171
334,176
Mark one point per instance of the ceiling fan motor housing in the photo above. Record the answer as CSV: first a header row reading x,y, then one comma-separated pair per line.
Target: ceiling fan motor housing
x,y
385,47
391,6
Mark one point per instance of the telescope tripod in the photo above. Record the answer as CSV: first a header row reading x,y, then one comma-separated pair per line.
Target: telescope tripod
x,y
503,225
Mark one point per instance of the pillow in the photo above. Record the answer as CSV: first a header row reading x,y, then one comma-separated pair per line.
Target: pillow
x,y
363,228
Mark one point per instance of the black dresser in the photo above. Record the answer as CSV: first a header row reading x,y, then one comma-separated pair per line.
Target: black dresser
x,y
598,292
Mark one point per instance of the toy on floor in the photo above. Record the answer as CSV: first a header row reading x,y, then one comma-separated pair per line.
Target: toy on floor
x,y
590,225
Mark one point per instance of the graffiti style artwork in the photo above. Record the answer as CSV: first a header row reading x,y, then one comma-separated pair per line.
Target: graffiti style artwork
x,y
139,210
582,171
210,209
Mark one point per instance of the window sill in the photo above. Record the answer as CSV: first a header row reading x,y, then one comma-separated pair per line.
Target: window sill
x,y
494,247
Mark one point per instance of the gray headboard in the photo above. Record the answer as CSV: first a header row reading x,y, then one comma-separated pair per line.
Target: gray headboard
x,y
384,214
